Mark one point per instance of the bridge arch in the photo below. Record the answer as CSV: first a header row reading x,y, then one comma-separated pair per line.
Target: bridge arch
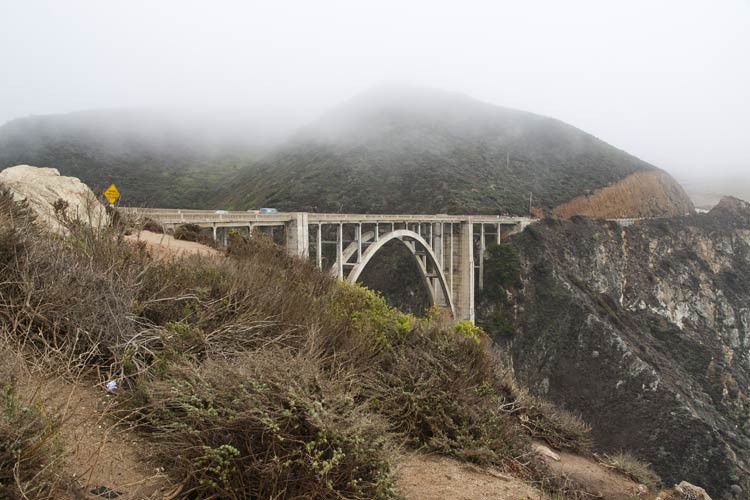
x,y
410,240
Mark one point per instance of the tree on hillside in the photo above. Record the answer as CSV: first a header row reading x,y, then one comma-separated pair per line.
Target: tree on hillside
x,y
502,268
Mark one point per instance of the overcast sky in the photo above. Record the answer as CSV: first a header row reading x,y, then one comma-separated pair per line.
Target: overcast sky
x,y
666,80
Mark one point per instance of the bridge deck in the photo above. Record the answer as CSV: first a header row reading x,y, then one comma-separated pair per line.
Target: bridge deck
x,y
168,216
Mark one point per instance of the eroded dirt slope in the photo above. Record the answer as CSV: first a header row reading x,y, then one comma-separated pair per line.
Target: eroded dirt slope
x,y
647,193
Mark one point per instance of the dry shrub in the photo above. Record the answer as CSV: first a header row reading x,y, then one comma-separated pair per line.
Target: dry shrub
x,y
151,225
558,427
630,466
193,232
29,454
16,220
269,424
71,297
265,283
187,232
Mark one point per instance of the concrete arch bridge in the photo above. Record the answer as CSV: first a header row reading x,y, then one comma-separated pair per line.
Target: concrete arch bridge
x,y
445,247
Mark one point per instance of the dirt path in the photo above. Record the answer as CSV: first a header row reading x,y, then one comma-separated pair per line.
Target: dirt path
x,y
430,477
165,246
97,453
594,478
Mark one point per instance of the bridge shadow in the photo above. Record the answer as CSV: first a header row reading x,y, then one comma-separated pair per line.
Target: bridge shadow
x,y
394,273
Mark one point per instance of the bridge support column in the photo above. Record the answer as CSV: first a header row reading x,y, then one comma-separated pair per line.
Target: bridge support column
x,y
297,235
358,237
482,247
319,247
464,298
436,231
340,251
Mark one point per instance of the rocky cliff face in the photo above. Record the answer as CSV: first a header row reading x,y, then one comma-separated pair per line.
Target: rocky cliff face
x,y
647,193
645,330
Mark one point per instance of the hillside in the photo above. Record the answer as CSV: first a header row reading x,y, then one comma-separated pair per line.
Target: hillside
x,y
645,331
248,375
387,150
428,151
155,158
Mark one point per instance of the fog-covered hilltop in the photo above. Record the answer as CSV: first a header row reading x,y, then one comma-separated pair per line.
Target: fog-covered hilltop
x,y
391,149
406,149
156,158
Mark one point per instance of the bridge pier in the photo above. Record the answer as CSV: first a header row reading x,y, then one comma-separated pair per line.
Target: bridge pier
x,y
297,235
464,271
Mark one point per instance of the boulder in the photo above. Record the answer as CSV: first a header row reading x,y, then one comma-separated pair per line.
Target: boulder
x,y
43,188
684,491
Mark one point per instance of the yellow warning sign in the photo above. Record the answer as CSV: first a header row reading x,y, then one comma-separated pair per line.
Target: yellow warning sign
x,y
112,194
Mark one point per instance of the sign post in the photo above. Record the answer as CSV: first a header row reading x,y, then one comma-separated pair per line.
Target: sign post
x,y
112,194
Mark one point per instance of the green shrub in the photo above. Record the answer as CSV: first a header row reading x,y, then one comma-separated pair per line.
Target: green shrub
x,y
469,330
266,425
366,314
501,271
502,268
440,390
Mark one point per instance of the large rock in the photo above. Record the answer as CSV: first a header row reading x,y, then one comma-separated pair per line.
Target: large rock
x,y
684,491
43,187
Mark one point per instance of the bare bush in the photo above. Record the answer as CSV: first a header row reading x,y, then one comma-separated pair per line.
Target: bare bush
x,y
151,225
558,427
192,232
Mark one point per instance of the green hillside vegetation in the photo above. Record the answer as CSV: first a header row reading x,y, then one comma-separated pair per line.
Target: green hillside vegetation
x,y
254,375
410,150
153,159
